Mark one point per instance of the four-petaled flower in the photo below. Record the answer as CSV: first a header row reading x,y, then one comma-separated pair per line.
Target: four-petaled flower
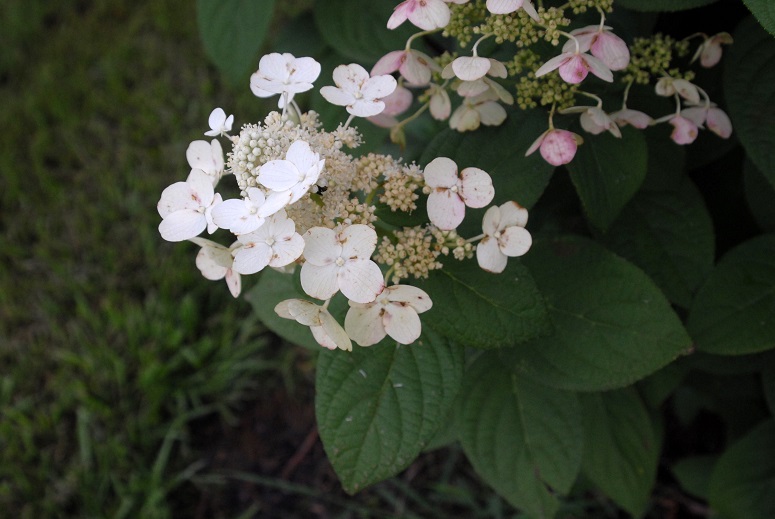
x,y
574,67
602,44
219,123
667,86
711,116
289,179
215,262
480,109
276,243
394,313
241,215
450,193
326,331
709,51
283,74
357,91
341,260
558,147
504,236
425,14
685,130
415,66
594,120
186,207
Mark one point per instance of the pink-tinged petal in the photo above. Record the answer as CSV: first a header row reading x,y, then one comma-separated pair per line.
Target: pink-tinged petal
x,y
470,68
431,14
177,197
366,108
593,122
489,256
286,251
319,281
402,323
358,241
418,68
378,87
278,175
302,156
401,13
398,102
360,280
413,296
687,90
182,225
201,187
554,63
333,335
445,209
598,68
611,50
515,241
634,118
536,143
684,130
252,259
304,71
364,324
234,282
441,105
512,214
337,96
503,6
710,51
696,114
441,172
718,122
491,113
491,221
321,246
275,202
559,147
389,63
476,187
209,265
585,36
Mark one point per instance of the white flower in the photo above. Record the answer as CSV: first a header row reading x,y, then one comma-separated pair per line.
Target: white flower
x,y
219,123
186,207
450,193
393,313
276,243
326,331
594,120
710,50
667,86
215,262
440,104
240,215
283,74
358,92
635,118
289,179
341,261
471,68
480,109
208,157
504,236
425,14
509,6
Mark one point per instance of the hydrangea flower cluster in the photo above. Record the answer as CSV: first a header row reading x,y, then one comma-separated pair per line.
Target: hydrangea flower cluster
x,y
307,204
484,84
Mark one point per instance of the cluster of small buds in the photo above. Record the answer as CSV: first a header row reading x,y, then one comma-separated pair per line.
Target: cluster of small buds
x,y
400,190
650,57
447,242
411,253
582,6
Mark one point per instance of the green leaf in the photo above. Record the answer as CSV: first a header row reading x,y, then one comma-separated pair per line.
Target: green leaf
x,y
358,30
523,438
669,234
742,485
621,447
749,84
378,407
612,325
694,474
734,311
764,11
232,32
662,5
760,195
484,310
607,172
768,384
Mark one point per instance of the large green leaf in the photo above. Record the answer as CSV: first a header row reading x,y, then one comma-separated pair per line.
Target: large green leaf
x,y
742,485
612,325
378,407
749,83
760,195
669,234
523,438
607,172
662,5
693,474
232,32
484,310
734,311
621,447
358,29
764,11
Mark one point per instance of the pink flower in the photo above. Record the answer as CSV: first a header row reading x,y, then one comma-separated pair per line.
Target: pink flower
x,y
574,67
395,104
594,120
451,193
425,14
416,67
603,44
710,50
558,147
667,86
684,130
711,116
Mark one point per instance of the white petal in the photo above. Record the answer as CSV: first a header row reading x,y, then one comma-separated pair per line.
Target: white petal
x,y
217,119
366,108
433,15
445,209
470,68
536,144
304,71
301,155
497,69
337,96
234,282
278,175
441,172
441,106
472,88
364,324
208,265
515,241
319,281
696,114
402,323
360,280
182,225
177,197
417,69
503,6
512,214
276,201
719,123
350,78
477,189
321,246
358,241
413,296
333,335
249,260
491,221
490,257
491,113
598,68
287,250
378,87
552,64
389,63
303,312
527,6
